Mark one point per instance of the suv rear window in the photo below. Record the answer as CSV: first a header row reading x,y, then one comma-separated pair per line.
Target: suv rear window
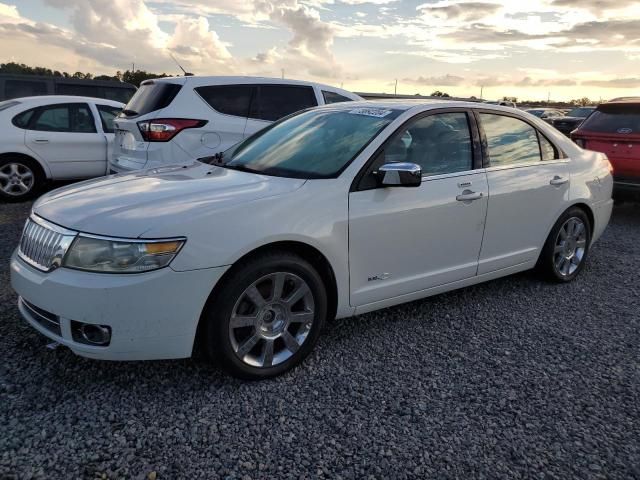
x,y
615,118
151,96
228,99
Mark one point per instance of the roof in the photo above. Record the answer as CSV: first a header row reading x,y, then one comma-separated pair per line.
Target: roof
x,y
407,104
226,79
44,99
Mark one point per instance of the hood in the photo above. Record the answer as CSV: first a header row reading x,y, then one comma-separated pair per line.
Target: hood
x,y
129,205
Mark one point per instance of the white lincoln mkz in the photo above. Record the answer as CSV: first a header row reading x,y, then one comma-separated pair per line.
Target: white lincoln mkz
x,y
330,212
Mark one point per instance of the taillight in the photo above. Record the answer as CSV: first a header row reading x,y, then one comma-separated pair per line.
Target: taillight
x,y
164,129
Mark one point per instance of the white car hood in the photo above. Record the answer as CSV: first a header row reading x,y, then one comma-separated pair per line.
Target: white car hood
x,y
130,205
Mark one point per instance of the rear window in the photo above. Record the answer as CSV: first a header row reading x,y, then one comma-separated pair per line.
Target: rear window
x,y
150,97
614,119
228,99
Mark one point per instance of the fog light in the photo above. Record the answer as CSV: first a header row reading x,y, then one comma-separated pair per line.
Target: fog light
x,y
91,334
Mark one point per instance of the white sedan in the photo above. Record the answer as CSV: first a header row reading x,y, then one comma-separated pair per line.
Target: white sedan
x,y
53,138
332,212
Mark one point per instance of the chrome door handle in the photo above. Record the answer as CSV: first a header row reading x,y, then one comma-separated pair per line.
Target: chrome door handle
x,y
556,181
469,196
41,140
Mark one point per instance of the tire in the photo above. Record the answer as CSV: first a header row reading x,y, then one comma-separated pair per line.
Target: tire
x,y
566,250
256,333
21,178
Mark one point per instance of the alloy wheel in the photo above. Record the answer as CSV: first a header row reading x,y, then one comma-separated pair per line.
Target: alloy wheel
x,y
271,319
570,246
16,179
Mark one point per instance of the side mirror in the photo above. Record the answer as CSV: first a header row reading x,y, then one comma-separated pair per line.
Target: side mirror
x,y
400,174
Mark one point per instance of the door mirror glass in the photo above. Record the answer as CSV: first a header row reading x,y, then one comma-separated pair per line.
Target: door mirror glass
x,y
401,174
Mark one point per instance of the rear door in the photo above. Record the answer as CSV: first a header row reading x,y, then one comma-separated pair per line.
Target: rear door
x,y
529,181
272,102
232,103
65,136
107,115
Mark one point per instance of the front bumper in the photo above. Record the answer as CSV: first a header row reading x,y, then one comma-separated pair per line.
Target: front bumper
x,y
152,315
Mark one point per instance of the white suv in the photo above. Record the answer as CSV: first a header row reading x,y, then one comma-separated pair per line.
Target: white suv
x,y
181,119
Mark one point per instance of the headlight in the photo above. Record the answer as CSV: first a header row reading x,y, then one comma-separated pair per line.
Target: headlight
x,y
120,256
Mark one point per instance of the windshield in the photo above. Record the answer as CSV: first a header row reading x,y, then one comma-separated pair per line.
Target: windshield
x,y
312,144
580,112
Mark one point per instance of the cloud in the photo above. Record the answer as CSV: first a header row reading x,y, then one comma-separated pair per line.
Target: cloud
x,y
631,82
464,11
546,82
442,81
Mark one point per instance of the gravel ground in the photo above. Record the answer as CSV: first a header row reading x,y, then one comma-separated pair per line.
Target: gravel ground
x,y
511,379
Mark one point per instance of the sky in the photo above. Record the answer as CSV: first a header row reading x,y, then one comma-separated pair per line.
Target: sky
x,y
530,49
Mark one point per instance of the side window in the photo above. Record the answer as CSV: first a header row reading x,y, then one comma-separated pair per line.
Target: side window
x,y
549,152
22,119
107,115
64,118
333,97
277,101
228,99
439,143
24,88
509,140
82,119
56,118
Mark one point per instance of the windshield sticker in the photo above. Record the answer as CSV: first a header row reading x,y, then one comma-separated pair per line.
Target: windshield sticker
x,y
370,112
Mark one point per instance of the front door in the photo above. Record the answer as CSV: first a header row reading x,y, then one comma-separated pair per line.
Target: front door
x,y
403,240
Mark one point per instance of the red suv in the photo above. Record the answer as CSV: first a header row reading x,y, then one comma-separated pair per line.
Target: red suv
x,y
614,129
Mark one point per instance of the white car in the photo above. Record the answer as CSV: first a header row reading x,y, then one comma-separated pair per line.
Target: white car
x,y
181,119
303,222
53,138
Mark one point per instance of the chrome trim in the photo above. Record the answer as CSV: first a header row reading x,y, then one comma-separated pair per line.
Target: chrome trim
x,y
43,244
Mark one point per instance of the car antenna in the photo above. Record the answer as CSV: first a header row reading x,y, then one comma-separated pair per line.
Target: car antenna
x,y
186,74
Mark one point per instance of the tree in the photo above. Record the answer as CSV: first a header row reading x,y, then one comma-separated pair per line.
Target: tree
x,y
438,93
139,76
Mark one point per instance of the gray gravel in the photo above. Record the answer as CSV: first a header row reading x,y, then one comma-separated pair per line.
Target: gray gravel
x,y
512,379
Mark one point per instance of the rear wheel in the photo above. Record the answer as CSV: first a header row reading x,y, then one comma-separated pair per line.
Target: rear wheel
x,y
566,249
267,317
20,178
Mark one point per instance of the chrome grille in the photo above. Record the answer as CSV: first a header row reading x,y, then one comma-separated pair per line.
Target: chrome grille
x,y
43,244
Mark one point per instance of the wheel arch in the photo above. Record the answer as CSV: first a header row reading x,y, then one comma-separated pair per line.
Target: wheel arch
x,y
44,170
309,253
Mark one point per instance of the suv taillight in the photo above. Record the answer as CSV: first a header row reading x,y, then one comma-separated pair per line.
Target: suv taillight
x,y
164,129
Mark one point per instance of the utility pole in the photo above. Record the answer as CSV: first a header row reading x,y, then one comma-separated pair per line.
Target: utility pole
x,y
549,97
481,89
282,69
133,67
395,91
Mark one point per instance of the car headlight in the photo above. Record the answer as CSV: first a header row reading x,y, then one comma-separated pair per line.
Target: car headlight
x,y
120,256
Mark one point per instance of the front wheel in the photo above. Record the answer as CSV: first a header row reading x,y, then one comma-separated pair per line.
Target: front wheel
x,y
267,317
565,251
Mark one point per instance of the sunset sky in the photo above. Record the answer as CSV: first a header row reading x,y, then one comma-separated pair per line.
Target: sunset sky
x,y
528,49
